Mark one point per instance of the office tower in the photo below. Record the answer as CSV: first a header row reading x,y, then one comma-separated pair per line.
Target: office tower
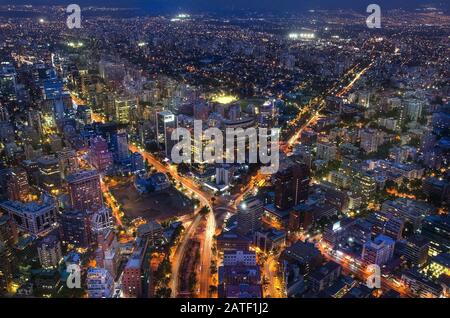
x,y
437,230
18,187
166,123
35,218
108,254
99,155
249,216
4,115
101,220
49,252
131,279
122,109
85,190
268,114
8,81
68,162
121,152
76,228
137,162
100,283
394,228
416,250
291,186
49,173
378,251
224,174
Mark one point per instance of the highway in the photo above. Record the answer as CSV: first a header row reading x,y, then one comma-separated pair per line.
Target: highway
x,y
205,200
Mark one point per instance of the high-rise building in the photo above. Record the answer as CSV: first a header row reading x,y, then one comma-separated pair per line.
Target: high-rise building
x,y
49,252
371,139
291,186
131,279
18,187
437,230
85,190
378,251
35,218
249,216
326,151
99,155
76,228
108,254
8,81
137,162
121,152
416,250
122,109
49,173
68,162
166,123
100,283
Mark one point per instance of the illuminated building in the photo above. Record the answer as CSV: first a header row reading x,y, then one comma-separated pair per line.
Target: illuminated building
x,y
166,123
49,173
68,162
291,186
437,230
120,141
36,218
235,257
99,155
108,254
378,251
131,279
100,283
137,162
249,216
371,139
326,151
85,190
8,81
49,252
420,285
122,107
18,187
439,266
224,174
76,228
416,250
4,116
325,276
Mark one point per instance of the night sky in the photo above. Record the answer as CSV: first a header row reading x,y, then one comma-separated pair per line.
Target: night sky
x,y
230,5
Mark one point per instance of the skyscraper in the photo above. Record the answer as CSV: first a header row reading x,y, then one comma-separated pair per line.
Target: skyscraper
x,y
85,190
18,187
249,216
166,123
49,252
291,186
99,155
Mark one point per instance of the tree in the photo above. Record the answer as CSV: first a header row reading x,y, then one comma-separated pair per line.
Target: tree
x,y
204,210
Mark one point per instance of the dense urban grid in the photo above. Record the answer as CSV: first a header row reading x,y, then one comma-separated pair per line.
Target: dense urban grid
x,y
88,186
